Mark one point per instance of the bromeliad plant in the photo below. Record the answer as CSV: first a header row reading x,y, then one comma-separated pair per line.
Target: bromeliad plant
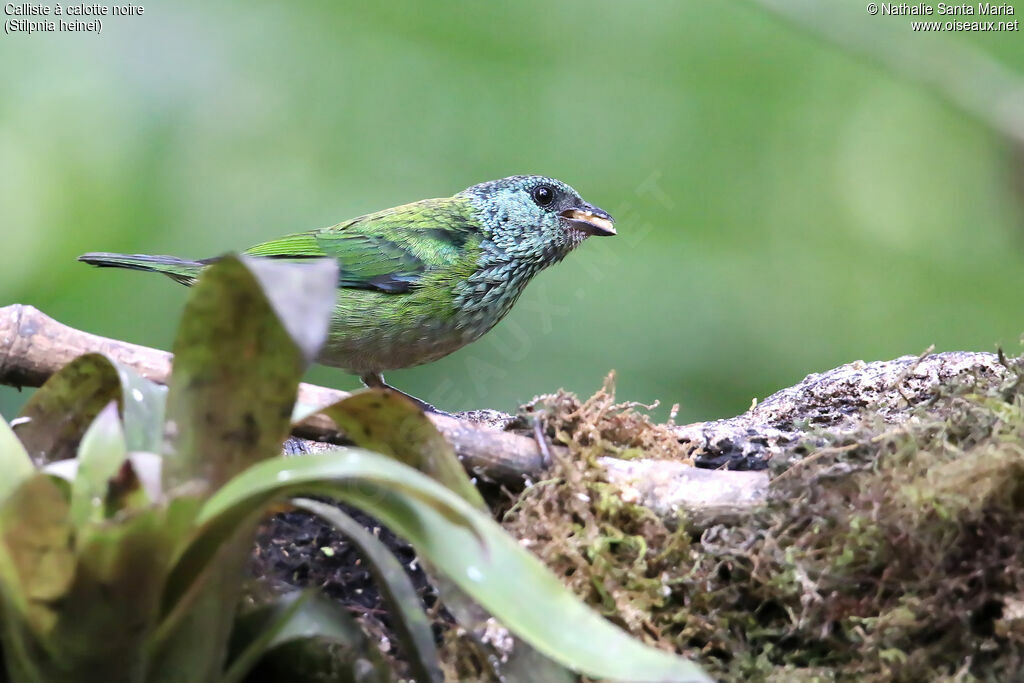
x,y
128,511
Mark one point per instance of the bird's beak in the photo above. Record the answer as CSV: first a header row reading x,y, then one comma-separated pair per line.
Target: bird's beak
x,y
591,220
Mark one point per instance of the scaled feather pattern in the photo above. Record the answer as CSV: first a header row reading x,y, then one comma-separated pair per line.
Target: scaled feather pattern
x,y
421,280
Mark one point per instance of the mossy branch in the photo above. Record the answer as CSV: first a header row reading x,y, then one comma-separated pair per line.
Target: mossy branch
x,y
33,346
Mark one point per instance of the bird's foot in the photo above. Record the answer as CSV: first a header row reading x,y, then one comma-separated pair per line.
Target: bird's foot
x,y
376,381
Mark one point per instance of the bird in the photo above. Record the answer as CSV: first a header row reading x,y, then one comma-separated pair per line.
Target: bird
x,y
419,281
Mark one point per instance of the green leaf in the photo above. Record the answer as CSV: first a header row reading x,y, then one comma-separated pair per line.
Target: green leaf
x,y
303,296
249,330
14,461
270,621
505,579
146,469
105,620
310,639
37,562
100,456
54,419
142,406
524,663
195,620
405,608
56,416
238,503
297,616
387,422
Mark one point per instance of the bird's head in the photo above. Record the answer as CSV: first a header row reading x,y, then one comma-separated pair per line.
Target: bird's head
x,y
536,219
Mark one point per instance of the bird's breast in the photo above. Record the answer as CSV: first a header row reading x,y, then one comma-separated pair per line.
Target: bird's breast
x,y
376,332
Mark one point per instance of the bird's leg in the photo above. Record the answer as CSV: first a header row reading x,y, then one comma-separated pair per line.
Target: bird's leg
x,y
375,380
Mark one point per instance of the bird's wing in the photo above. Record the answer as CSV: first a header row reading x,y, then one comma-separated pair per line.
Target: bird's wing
x,y
389,251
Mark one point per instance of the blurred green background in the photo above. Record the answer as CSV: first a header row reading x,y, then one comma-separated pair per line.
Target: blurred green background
x,y
783,207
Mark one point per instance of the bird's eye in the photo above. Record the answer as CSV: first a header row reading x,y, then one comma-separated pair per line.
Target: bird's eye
x,y
543,195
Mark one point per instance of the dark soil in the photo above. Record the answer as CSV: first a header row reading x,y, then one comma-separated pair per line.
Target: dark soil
x,y
298,550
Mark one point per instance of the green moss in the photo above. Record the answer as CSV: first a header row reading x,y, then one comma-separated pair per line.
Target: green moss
x,y
896,553
618,555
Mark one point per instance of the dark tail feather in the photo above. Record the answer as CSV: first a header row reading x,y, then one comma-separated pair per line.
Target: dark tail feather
x,y
177,269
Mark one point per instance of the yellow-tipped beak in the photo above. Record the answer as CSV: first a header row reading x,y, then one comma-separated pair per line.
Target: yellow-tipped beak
x,y
592,221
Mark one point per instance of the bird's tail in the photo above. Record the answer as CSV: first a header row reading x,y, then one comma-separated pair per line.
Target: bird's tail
x,y
177,269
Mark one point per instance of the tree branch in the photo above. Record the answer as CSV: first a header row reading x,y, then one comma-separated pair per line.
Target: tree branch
x,y
33,346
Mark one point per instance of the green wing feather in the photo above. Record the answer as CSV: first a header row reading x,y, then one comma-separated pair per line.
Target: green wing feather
x,y
389,251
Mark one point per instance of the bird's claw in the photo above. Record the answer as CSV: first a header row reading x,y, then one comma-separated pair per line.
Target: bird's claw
x,y
376,381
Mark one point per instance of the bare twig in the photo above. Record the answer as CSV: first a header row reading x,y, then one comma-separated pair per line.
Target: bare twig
x,y
910,370
542,441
